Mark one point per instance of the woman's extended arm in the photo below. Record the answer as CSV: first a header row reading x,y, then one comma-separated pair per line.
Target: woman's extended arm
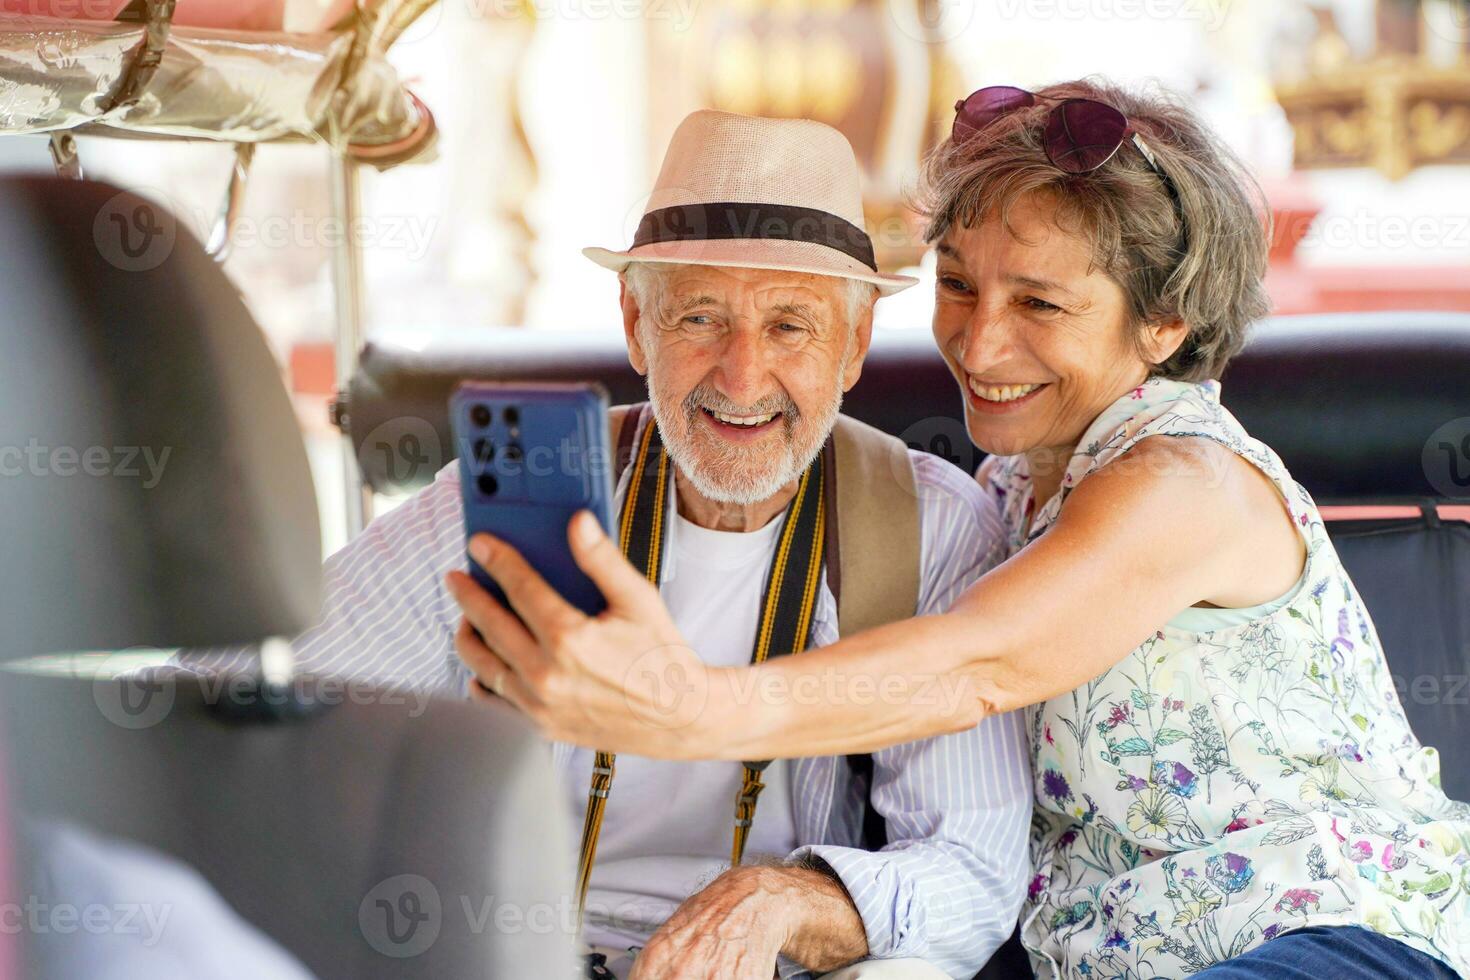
x,y
1172,523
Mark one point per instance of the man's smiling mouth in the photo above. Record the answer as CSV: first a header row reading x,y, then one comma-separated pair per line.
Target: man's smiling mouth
x,y
746,422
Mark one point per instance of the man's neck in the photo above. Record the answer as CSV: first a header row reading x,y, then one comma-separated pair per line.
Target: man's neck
x,y
699,509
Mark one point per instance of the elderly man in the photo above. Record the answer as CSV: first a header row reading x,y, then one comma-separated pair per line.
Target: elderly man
x,y
747,301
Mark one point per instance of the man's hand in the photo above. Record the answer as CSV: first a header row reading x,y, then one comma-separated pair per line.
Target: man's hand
x,y
735,928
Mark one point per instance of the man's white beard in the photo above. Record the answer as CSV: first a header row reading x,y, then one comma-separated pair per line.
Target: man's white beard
x,y
730,473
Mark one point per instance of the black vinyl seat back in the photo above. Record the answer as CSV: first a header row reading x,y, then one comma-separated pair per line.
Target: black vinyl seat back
x,y
1347,400
1414,575
157,491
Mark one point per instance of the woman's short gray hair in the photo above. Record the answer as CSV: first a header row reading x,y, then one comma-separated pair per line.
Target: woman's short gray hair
x,y
1209,271
645,280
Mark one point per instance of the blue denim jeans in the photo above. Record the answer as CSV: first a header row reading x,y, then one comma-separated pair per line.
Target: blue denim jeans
x,y
1330,953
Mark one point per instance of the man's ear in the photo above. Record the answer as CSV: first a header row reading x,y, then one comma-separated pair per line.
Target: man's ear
x,y
636,355
1161,338
862,339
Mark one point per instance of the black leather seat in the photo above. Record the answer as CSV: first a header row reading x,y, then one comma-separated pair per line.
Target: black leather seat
x,y
1348,400
1357,406
304,805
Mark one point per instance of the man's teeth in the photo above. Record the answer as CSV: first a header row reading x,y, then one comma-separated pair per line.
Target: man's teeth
x,y
747,420
1001,393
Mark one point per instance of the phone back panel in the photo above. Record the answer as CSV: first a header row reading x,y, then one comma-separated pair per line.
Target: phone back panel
x,y
530,456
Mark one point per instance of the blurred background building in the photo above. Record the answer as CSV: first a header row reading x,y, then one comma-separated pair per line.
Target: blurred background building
x,y
553,115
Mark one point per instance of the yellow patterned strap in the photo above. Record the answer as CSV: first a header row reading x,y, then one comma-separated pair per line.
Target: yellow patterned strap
x,y
750,791
603,765
640,534
785,620
786,613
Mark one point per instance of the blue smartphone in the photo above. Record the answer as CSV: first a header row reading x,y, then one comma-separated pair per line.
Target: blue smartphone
x,y
530,456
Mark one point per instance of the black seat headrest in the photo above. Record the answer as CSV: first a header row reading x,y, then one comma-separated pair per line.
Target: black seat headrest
x,y
1351,402
1348,400
156,489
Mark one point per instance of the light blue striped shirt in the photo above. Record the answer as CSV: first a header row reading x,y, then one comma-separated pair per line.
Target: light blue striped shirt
x,y
947,887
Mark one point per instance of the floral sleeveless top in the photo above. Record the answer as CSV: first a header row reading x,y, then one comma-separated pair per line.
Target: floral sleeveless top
x,y
1216,789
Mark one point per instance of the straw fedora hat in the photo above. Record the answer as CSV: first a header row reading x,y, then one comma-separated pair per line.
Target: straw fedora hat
x,y
758,194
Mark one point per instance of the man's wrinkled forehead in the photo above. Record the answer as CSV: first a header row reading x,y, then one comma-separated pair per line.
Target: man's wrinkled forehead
x,y
737,289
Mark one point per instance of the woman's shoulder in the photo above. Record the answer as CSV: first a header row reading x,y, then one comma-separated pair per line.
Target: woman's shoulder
x,y
1199,472
1161,481
1179,432
1203,432
1159,406
1203,461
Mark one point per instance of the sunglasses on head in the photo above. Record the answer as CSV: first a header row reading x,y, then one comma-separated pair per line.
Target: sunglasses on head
x,y
1081,134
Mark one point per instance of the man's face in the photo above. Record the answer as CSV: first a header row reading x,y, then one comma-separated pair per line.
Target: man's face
x,y
746,369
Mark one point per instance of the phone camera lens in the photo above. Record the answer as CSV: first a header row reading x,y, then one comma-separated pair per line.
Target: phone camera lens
x,y
484,450
512,415
487,484
513,453
480,415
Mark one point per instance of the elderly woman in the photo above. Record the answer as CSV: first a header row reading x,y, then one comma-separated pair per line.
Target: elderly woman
x,y
1225,781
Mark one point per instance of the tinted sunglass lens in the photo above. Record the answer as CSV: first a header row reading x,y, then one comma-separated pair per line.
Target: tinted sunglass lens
x,y
986,105
1082,135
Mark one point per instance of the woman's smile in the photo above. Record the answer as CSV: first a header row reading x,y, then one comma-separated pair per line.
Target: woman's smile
x,y
1000,398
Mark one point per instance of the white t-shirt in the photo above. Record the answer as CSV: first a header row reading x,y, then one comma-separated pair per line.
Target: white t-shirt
x,y
668,826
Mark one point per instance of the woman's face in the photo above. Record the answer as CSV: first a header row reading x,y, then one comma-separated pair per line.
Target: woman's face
x,y
1033,332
